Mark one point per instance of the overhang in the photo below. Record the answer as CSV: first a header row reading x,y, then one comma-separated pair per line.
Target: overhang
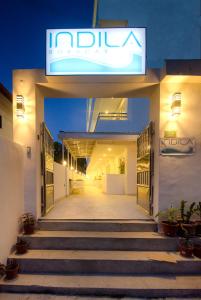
x,y
81,144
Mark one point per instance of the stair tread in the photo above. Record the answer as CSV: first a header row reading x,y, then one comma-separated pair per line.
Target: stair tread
x,y
147,221
165,282
159,256
98,234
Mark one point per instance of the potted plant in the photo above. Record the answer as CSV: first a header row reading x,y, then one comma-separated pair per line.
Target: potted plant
x,y
197,249
198,222
2,269
170,225
186,213
21,246
186,246
28,221
10,270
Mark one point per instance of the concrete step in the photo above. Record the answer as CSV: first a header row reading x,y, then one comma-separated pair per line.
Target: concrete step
x,y
96,240
98,225
106,262
137,286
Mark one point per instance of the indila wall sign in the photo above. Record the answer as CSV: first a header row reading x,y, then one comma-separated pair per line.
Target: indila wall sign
x,y
105,51
177,146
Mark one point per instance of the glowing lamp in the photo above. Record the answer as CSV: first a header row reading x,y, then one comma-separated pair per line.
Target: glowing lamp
x,y
20,108
176,104
64,163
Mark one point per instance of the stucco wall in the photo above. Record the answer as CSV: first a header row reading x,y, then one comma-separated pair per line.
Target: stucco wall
x,y
114,184
7,118
11,194
27,133
180,177
171,25
60,189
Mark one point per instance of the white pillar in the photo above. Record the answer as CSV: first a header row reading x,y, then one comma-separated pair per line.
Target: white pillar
x,y
27,133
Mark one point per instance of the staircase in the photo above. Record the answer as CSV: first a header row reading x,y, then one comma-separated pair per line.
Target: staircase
x,y
112,258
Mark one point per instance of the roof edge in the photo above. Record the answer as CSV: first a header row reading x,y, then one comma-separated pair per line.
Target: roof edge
x,y
6,93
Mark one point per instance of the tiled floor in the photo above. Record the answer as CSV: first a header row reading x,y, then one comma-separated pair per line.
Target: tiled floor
x,y
90,203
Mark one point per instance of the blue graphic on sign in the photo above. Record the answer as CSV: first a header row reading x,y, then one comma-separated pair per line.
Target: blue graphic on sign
x,y
79,65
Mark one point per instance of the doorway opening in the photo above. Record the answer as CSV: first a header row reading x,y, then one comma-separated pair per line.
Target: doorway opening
x,y
97,171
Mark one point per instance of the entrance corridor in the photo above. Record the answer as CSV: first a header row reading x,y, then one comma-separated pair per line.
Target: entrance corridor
x,y
90,203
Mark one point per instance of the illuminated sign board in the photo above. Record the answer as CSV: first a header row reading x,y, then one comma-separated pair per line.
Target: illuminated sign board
x,y
105,51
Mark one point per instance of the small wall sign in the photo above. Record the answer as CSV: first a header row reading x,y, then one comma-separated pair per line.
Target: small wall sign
x,y
177,146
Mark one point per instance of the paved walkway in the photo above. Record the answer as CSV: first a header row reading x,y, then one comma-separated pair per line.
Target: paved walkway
x,y
91,203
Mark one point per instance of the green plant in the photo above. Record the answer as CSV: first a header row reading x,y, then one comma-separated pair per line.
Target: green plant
x,y
28,219
171,214
20,241
182,210
121,166
198,210
186,212
12,263
2,269
186,241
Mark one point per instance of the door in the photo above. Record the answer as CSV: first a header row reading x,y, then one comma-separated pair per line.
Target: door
x,y
47,170
145,167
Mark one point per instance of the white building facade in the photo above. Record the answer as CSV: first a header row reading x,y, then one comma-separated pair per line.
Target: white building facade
x,y
175,177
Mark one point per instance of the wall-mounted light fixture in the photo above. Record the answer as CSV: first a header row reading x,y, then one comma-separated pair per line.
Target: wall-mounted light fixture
x,y
20,108
176,104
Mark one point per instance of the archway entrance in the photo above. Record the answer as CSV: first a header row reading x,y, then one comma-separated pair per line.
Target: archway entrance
x,y
107,189
42,86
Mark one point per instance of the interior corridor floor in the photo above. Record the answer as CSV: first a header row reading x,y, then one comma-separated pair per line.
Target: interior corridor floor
x,y
91,203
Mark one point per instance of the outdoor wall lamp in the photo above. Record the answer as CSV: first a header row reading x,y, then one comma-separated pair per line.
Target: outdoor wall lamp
x,y
20,108
176,104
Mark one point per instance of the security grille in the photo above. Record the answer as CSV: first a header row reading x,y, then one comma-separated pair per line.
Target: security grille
x,y
145,162
47,170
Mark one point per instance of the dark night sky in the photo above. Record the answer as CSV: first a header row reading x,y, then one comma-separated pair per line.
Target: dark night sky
x,y
22,46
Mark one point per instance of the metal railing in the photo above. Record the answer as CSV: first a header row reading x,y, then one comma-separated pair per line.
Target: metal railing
x,y
112,116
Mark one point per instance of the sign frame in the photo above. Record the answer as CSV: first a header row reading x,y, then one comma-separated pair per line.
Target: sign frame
x,y
116,74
